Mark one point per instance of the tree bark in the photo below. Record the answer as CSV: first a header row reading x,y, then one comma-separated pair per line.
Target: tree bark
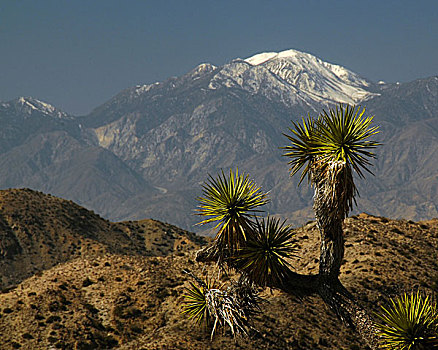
x,y
331,249
334,190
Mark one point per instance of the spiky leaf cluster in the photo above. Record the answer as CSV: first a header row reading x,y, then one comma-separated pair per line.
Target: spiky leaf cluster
x,y
195,301
264,258
232,307
303,147
230,202
409,323
259,250
339,135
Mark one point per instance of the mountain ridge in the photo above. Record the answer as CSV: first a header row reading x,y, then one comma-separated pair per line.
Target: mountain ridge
x,y
161,141
39,231
322,80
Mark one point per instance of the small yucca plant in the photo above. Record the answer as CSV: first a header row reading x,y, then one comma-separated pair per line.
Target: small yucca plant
x,y
234,307
215,307
230,202
409,323
195,301
264,258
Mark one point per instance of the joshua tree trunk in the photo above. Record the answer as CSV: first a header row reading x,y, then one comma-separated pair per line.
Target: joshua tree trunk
x,y
332,240
334,190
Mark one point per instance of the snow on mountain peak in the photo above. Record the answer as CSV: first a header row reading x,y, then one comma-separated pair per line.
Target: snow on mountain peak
x,y
201,69
266,56
290,77
30,104
319,79
261,58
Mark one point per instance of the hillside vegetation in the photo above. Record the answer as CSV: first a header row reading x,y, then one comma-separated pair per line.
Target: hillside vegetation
x,y
72,280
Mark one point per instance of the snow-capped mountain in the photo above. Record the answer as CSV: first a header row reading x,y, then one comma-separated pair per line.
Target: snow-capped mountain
x,y
294,77
29,105
320,79
136,123
290,77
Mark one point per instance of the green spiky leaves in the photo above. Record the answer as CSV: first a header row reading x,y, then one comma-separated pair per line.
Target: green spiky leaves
x,y
195,302
303,147
409,323
264,258
259,249
341,135
230,202
328,149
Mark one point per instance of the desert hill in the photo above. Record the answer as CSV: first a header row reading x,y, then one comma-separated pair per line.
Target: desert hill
x,y
124,296
39,231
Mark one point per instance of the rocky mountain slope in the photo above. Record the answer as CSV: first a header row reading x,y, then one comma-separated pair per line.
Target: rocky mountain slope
x,y
122,286
39,231
146,152
44,149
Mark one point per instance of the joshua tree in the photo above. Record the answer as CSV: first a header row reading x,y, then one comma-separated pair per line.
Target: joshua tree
x,y
327,149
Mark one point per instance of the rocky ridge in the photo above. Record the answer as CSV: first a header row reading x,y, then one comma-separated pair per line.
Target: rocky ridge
x,y
39,231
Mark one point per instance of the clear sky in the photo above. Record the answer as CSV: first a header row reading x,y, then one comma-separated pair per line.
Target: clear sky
x,y
76,54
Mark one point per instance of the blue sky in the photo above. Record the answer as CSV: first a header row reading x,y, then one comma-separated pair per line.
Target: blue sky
x,y
77,54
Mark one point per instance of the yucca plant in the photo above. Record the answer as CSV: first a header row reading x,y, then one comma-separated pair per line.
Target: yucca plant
x,y
339,135
195,301
409,323
230,202
328,149
342,136
264,258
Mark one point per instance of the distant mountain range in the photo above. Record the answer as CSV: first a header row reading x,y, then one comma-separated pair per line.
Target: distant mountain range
x,y
146,152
